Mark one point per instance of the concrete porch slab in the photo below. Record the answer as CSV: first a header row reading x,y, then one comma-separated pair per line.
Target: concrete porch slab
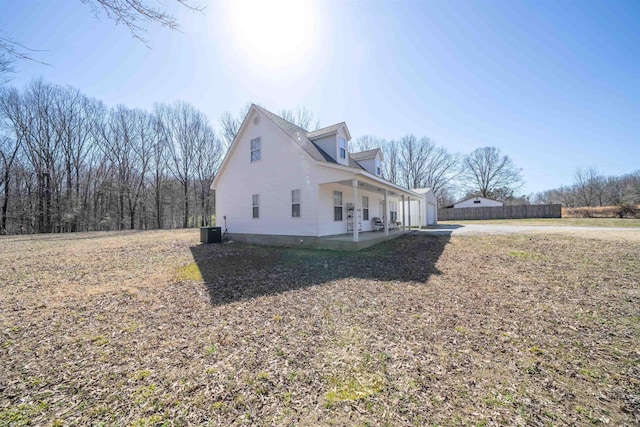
x,y
338,242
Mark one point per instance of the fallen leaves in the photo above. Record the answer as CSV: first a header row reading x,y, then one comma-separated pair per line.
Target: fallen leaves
x,y
143,328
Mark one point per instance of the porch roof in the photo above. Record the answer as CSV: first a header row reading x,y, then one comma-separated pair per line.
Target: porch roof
x,y
370,182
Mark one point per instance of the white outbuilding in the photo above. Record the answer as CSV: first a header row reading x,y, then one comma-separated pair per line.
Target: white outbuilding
x,y
423,210
476,202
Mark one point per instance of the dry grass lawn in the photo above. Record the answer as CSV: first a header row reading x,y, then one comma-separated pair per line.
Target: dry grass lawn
x,y
151,328
557,222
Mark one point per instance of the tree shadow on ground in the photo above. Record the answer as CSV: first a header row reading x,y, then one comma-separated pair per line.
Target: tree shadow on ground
x,y
236,271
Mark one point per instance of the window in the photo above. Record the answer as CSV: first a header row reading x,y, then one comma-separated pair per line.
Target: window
x,y
393,211
365,208
476,201
295,203
256,146
343,148
378,167
337,205
256,205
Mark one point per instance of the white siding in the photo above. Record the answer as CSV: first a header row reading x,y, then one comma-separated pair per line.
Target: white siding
x,y
283,167
325,211
342,134
328,144
432,213
370,165
481,201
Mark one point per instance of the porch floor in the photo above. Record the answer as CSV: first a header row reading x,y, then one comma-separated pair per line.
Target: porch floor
x,y
344,242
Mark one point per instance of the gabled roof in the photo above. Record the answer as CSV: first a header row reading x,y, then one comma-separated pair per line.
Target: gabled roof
x,y
329,130
365,155
473,197
300,136
422,190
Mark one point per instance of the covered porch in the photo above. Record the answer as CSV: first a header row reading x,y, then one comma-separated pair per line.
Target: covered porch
x,y
358,203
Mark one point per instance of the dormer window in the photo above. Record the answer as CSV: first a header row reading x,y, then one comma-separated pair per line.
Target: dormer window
x,y
378,167
343,148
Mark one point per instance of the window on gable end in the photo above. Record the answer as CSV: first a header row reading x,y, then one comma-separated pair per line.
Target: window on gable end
x,y
256,148
343,148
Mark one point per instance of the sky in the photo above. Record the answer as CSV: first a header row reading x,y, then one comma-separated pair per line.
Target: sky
x,y
553,84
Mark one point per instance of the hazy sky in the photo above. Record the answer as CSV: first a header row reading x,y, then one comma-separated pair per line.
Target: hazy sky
x,y
554,84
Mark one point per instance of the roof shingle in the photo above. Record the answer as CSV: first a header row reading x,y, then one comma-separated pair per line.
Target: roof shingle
x,y
300,136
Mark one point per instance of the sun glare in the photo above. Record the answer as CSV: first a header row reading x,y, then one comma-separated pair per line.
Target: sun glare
x,y
273,32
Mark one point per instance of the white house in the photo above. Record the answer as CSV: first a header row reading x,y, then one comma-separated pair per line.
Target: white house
x,y
476,202
280,184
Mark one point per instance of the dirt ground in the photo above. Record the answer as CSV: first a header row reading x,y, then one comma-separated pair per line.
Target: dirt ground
x,y
152,328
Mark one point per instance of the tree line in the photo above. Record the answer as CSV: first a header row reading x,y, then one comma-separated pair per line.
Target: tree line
x,y
418,162
69,163
592,189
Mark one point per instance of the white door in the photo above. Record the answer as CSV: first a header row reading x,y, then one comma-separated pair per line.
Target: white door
x,y
431,214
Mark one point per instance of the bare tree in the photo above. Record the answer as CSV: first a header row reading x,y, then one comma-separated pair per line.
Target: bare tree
x,y
301,117
231,124
589,186
185,129
136,15
208,158
9,149
32,116
633,187
391,163
614,190
127,140
10,52
158,165
441,167
6,68
488,173
412,161
73,122
423,164
365,143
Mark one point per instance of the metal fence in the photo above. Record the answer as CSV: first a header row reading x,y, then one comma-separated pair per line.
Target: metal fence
x,y
501,212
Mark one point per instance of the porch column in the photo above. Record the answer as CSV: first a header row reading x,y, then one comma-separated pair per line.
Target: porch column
x,y
385,213
404,210
355,211
409,210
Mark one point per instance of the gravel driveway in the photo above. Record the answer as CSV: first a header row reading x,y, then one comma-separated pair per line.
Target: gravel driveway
x,y
607,233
